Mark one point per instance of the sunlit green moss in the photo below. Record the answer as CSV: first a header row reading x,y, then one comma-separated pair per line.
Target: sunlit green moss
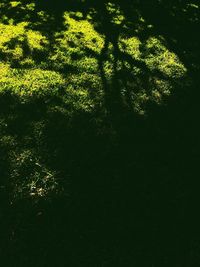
x,y
30,82
159,57
16,9
161,66
30,6
15,3
82,33
77,46
42,83
131,46
75,65
76,51
17,42
116,14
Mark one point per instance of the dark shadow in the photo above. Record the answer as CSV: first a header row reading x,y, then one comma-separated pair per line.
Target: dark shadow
x,y
128,185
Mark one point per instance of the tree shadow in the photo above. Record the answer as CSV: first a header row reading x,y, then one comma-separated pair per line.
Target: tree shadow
x,y
123,194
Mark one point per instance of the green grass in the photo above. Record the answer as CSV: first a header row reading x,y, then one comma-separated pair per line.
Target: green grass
x,y
67,71
64,74
99,136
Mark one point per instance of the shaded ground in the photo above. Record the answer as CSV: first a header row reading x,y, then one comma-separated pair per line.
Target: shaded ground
x,y
99,133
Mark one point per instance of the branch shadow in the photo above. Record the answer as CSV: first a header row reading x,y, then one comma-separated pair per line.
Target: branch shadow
x,y
126,200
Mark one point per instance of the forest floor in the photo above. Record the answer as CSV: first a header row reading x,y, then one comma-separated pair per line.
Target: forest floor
x,y
99,136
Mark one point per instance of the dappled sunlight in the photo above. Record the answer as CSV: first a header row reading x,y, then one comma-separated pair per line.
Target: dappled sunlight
x,y
79,51
94,62
99,132
20,46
